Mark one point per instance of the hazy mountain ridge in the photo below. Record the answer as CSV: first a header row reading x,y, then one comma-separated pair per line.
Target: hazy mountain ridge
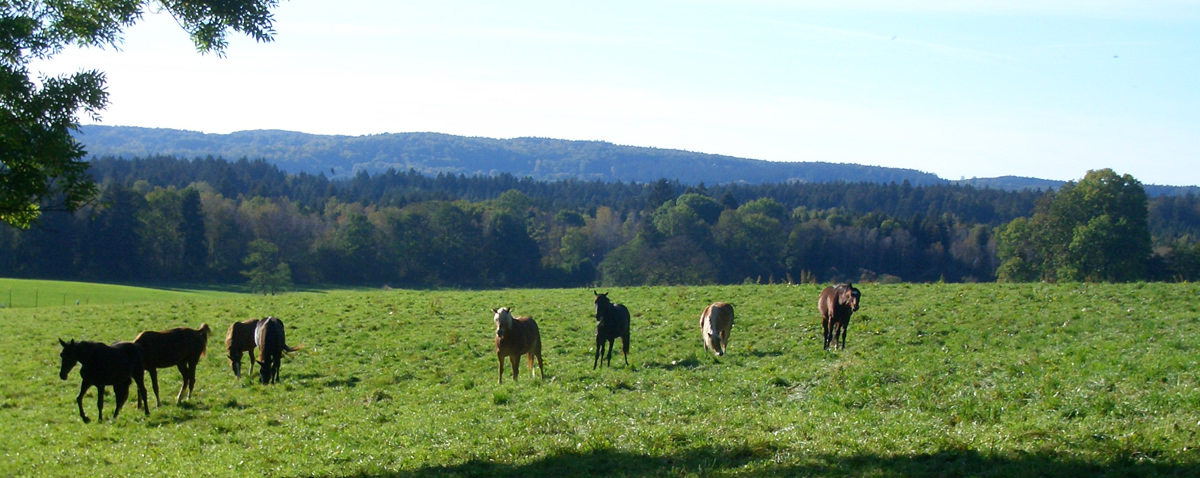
x,y
539,158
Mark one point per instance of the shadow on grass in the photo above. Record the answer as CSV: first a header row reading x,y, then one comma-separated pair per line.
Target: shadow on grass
x,y
750,462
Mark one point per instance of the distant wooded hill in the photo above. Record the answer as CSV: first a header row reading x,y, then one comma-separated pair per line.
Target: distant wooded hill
x,y
537,158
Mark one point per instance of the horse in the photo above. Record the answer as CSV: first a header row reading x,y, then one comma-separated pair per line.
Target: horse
x,y
715,323
612,321
271,343
517,336
179,347
836,304
100,365
238,340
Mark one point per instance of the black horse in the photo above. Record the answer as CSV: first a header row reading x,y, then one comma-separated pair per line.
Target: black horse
x,y
271,342
612,321
100,365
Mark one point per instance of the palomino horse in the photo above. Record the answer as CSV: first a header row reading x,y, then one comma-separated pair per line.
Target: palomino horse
x,y
100,365
612,321
269,337
836,304
239,340
715,323
517,336
179,347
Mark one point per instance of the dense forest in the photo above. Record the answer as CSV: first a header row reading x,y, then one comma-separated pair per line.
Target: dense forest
x,y
167,219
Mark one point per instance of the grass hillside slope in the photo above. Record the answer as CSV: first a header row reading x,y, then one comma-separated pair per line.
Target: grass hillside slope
x,y
936,380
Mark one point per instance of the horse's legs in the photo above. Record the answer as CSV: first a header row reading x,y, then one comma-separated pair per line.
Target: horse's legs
x,y
154,381
184,370
599,351
515,361
143,401
625,348
121,392
99,402
842,340
501,359
825,325
79,401
611,343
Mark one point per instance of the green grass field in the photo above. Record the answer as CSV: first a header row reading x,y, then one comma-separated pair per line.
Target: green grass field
x,y
936,380
27,293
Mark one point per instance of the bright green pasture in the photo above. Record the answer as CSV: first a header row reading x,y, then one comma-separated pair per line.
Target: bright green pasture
x,y
936,380
24,293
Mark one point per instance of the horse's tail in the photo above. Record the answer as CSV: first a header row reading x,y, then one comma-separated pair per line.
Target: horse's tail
x,y
205,331
292,349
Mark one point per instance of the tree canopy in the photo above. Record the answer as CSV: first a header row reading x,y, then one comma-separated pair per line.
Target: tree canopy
x,y
41,166
1096,230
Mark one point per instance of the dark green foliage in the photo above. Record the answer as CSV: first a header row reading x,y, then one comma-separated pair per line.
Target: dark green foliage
x,y
1096,230
408,229
42,166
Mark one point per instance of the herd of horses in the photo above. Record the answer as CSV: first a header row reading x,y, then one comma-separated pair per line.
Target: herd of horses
x,y
124,363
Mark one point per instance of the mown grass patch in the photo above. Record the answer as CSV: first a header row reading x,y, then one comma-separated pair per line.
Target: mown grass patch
x,y
936,380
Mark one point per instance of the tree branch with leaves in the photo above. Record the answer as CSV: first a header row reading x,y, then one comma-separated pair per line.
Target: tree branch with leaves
x,y
42,167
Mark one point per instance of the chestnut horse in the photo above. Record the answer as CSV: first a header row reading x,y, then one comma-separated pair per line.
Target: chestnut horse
x,y
517,336
612,321
179,347
836,304
271,343
715,323
239,340
100,365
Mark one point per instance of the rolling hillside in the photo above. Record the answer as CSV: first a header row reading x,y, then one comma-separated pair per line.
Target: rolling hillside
x,y
433,153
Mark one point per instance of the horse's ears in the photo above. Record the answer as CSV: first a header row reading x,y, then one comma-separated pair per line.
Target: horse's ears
x,y
64,344
495,311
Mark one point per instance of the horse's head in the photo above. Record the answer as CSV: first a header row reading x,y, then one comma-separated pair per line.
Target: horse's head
x,y
602,304
503,318
264,371
714,339
71,353
235,363
850,296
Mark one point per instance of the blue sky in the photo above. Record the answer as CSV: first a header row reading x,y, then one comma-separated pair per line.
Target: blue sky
x,y
956,88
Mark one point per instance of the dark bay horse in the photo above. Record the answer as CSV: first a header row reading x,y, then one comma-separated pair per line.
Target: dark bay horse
x,y
271,343
239,340
612,321
102,365
179,347
836,304
517,336
715,324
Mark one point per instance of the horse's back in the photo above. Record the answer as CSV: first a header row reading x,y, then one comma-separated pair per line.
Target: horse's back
x,y
269,337
826,303
720,314
523,337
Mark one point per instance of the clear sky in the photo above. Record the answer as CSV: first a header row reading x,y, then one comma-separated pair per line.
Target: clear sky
x,y
959,88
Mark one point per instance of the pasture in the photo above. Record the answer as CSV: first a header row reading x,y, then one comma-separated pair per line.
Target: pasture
x,y
25,293
935,380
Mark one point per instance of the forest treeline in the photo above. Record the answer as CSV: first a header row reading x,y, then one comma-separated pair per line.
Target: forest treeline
x,y
168,219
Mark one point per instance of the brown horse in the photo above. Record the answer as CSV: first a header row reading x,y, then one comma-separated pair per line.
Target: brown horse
x,y
516,337
179,347
836,304
715,323
100,365
239,340
271,343
612,321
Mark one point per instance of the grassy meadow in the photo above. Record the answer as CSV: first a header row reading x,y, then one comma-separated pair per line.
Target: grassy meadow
x,y
26,293
936,380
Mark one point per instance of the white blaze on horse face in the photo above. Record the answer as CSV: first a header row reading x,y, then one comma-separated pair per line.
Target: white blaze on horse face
x,y
503,319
